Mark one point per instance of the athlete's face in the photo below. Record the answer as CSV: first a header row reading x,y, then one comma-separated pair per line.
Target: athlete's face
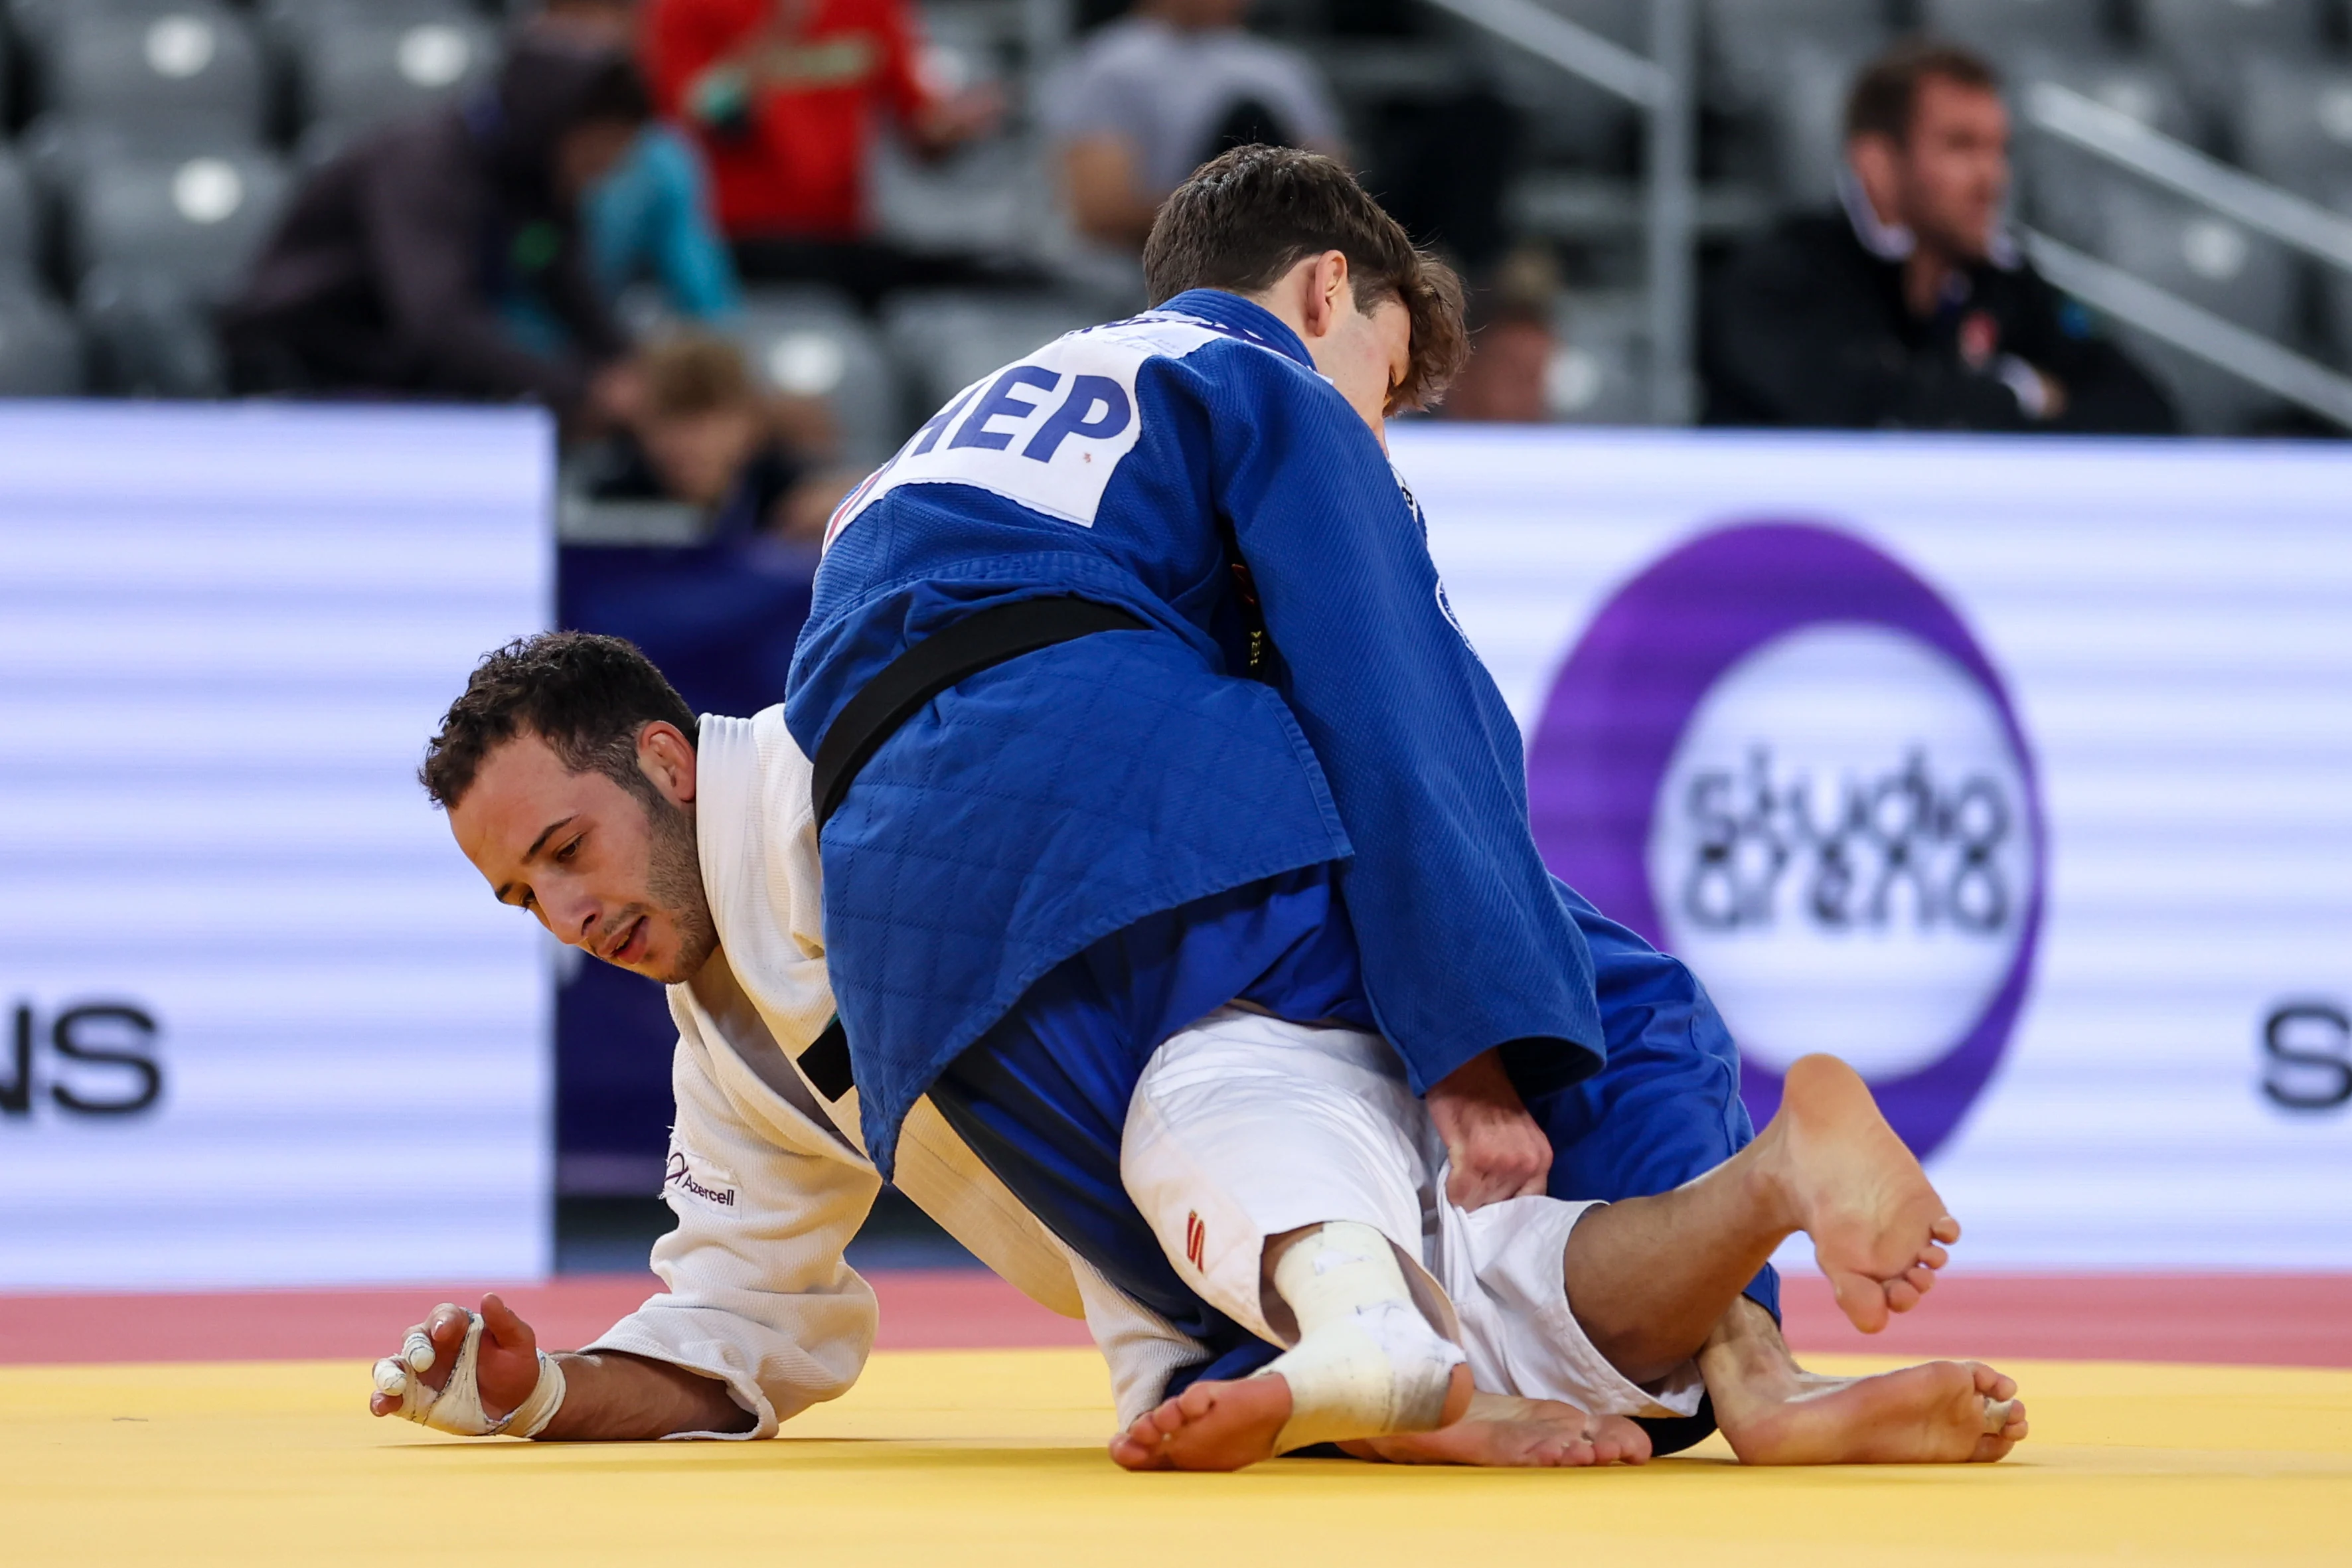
x,y
1368,355
610,872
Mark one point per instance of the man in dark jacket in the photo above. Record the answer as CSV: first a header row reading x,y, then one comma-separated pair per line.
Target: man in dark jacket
x,y
1912,309
396,260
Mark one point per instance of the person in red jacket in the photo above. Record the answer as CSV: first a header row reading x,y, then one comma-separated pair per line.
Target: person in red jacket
x,y
785,96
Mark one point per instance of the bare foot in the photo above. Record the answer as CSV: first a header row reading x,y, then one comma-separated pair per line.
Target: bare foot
x,y
1939,1412
1502,1430
1859,1193
1228,1426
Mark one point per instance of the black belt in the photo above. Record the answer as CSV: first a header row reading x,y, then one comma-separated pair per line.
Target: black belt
x,y
978,642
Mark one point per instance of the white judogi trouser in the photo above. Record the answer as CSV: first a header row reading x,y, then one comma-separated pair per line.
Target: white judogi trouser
x,y
1245,1127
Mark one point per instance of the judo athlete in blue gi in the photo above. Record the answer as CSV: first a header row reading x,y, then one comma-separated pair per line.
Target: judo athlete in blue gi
x,y
1135,699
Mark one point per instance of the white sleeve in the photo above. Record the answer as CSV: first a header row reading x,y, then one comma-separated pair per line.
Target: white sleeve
x,y
759,1295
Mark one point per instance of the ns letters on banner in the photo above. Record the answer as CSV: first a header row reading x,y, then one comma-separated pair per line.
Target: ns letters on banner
x,y
101,1061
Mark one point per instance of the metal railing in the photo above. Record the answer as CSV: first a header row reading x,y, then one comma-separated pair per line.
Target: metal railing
x,y
2110,134
1662,84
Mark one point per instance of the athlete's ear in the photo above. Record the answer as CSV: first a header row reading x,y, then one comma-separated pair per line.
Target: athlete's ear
x,y
667,758
1329,297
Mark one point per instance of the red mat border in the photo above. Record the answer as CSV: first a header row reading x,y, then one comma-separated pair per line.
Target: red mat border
x,y
2288,1320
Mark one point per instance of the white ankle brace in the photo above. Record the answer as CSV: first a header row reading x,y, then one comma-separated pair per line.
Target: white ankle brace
x,y
456,1407
1367,1362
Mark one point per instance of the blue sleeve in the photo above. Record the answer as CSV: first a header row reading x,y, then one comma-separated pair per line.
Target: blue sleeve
x,y
688,254
1466,946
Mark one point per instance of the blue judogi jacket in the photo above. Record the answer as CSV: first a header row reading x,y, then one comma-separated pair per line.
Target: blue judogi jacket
x,y
1047,803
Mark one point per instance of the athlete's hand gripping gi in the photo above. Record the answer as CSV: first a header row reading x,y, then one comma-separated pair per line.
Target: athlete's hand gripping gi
x,y
456,1368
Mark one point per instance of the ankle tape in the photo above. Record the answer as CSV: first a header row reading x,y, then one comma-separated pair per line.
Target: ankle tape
x,y
1367,1362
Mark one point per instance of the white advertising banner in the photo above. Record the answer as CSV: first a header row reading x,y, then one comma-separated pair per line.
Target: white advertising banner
x,y
263,1025
2017,772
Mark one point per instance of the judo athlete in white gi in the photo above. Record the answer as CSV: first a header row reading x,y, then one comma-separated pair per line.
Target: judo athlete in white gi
x,y
586,792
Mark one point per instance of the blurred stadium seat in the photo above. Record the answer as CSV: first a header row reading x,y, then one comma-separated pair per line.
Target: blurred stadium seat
x,y
2336,285
354,73
2242,276
156,242
1570,120
2205,42
40,350
198,220
20,224
945,340
812,343
1600,370
152,73
2063,185
1805,109
148,337
1747,40
2291,121
2007,28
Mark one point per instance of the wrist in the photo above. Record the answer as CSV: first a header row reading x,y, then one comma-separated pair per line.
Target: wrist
x,y
539,1408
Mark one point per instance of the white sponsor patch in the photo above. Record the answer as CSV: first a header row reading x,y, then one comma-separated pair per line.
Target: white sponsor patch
x,y
1048,432
691,1177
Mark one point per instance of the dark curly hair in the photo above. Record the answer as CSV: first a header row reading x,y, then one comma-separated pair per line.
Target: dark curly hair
x,y
588,697
1248,216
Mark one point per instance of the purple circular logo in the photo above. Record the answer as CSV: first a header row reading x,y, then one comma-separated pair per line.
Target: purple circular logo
x,y
1781,755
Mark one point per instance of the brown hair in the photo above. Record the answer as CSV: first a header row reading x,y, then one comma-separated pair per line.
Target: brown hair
x,y
1886,95
1248,216
696,373
588,697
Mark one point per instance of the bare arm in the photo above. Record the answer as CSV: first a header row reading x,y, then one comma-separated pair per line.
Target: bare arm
x,y
1098,170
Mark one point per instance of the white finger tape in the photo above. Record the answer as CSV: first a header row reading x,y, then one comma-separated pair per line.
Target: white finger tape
x,y
456,1406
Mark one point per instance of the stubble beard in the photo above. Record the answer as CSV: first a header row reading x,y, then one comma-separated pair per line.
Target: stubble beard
x,y
674,881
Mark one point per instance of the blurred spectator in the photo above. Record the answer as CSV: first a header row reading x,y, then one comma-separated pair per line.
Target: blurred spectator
x,y
784,97
651,218
1505,380
1912,308
704,433
1513,343
392,269
1152,97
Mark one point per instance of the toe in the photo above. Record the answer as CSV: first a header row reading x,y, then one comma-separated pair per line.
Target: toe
x,y
1861,1300
1933,1256
1920,1277
1900,1296
1946,1230
1129,1454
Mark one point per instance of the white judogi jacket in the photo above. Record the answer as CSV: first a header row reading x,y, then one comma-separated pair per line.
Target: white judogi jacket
x,y
768,1186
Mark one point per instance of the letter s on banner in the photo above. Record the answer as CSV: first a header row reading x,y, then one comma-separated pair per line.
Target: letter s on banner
x,y
2307,1052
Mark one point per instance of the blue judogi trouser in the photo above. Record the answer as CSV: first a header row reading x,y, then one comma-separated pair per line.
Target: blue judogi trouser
x,y
1043,1097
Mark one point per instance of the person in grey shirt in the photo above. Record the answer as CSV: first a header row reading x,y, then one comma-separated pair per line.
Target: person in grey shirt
x,y
1152,97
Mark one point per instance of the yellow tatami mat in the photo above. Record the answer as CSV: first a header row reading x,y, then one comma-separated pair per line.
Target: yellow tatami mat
x,y
963,1458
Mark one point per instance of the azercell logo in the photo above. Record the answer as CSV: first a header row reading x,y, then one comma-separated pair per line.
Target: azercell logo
x,y
682,1177
1778,754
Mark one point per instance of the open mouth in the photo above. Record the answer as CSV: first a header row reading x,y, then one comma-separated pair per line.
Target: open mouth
x,y
631,947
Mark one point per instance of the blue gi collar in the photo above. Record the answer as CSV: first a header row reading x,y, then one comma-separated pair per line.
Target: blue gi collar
x,y
1238,317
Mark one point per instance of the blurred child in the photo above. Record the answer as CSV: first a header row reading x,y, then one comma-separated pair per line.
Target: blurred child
x,y
705,434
